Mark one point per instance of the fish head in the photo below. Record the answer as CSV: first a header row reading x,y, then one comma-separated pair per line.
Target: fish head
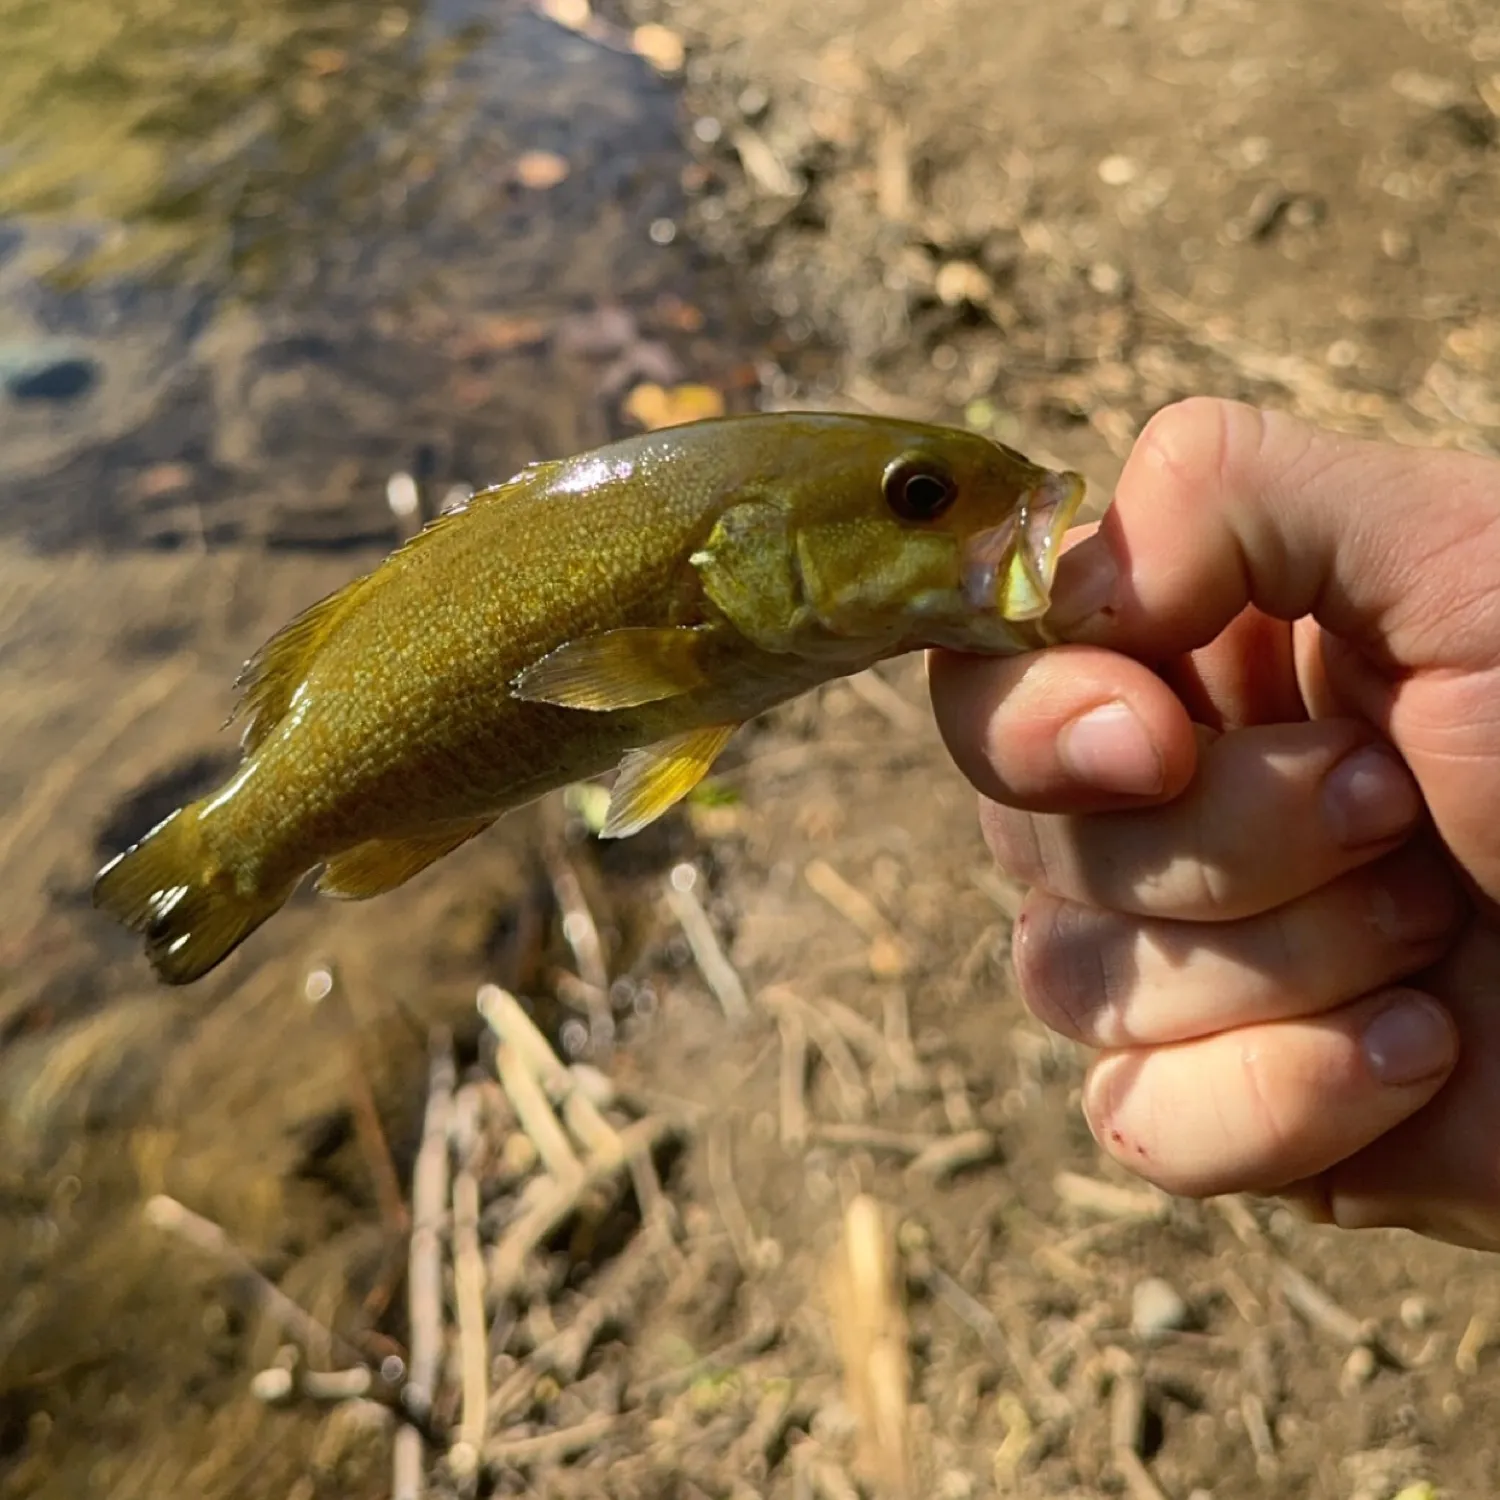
x,y
932,537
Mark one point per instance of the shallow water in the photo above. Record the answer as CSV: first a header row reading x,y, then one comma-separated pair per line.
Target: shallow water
x,y
255,261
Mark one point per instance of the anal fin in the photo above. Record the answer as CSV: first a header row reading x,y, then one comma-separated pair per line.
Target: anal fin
x,y
653,779
380,865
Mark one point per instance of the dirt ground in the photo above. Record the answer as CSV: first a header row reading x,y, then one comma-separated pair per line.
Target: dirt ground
x,y
1046,221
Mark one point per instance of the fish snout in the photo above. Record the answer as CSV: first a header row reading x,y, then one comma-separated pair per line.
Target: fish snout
x,y
1009,568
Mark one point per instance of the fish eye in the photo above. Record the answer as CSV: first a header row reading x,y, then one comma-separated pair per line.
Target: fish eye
x,y
918,489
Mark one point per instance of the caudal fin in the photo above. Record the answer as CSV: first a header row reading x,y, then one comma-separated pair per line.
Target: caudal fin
x,y
170,889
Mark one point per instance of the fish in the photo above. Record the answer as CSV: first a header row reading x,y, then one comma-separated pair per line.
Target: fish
x,y
628,608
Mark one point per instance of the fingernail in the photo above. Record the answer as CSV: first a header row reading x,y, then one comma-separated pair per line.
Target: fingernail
x,y
1369,797
1086,580
1408,1041
1108,749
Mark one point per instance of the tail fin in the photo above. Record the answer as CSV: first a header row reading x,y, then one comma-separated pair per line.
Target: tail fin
x,y
170,888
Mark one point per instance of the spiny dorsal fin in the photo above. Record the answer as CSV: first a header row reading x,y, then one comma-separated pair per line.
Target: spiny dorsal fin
x,y
272,676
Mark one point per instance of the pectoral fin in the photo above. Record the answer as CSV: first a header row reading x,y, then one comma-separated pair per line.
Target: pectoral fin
x,y
618,668
380,865
653,779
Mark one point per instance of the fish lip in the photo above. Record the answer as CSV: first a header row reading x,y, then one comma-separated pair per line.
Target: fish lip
x,y
1048,512
1032,536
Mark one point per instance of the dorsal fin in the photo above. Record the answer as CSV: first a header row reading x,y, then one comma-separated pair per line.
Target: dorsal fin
x,y
271,677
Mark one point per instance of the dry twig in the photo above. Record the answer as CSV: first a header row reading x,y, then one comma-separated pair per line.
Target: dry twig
x,y
549,1447
319,1343
556,1201
951,1154
425,1276
853,1097
878,694
1005,1350
750,1250
1127,1417
870,1324
468,1294
718,973
507,1018
1324,1314
1105,1198
887,957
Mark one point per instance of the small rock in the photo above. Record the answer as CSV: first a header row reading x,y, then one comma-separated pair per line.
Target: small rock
x,y
540,170
272,1386
1107,280
753,102
52,380
660,46
402,496
1417,1313
1397,244
1156,1308
1427,90
1116,171
962,281
1359,1370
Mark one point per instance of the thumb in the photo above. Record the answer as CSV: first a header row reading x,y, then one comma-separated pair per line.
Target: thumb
x,y
1222,506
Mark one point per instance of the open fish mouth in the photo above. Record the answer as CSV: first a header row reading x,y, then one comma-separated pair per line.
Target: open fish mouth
x,y
1009,568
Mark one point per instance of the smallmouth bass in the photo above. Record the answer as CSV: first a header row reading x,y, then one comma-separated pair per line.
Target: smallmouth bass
x,y
629,607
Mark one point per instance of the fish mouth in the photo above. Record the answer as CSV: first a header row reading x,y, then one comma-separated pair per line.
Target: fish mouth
x,y
1009,568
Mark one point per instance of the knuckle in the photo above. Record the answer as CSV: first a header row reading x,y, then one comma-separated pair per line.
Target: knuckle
x,y
1205,437
1067,970
1011,838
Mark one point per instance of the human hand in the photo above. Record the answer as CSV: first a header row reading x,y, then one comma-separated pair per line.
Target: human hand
x,y
1288,967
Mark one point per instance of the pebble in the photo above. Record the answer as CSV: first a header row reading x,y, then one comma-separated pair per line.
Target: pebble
x,y
1417,1313
1156,1308
1397,244
1106,279
52,380
1116,171
1359,1370
962,281
271,1386
402,496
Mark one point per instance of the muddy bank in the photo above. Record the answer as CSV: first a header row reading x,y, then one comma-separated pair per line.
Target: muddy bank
x,y
1060,220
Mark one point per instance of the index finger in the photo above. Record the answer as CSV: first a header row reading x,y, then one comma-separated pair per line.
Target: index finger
x,y
1222,506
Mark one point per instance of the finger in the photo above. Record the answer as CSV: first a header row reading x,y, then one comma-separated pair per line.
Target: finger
x,y
1221,506
1438,1172
1245,675
1069,729
1112,981
1254,1109
1272,814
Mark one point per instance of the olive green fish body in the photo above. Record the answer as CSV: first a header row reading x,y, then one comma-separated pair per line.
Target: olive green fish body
x,y
629,607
